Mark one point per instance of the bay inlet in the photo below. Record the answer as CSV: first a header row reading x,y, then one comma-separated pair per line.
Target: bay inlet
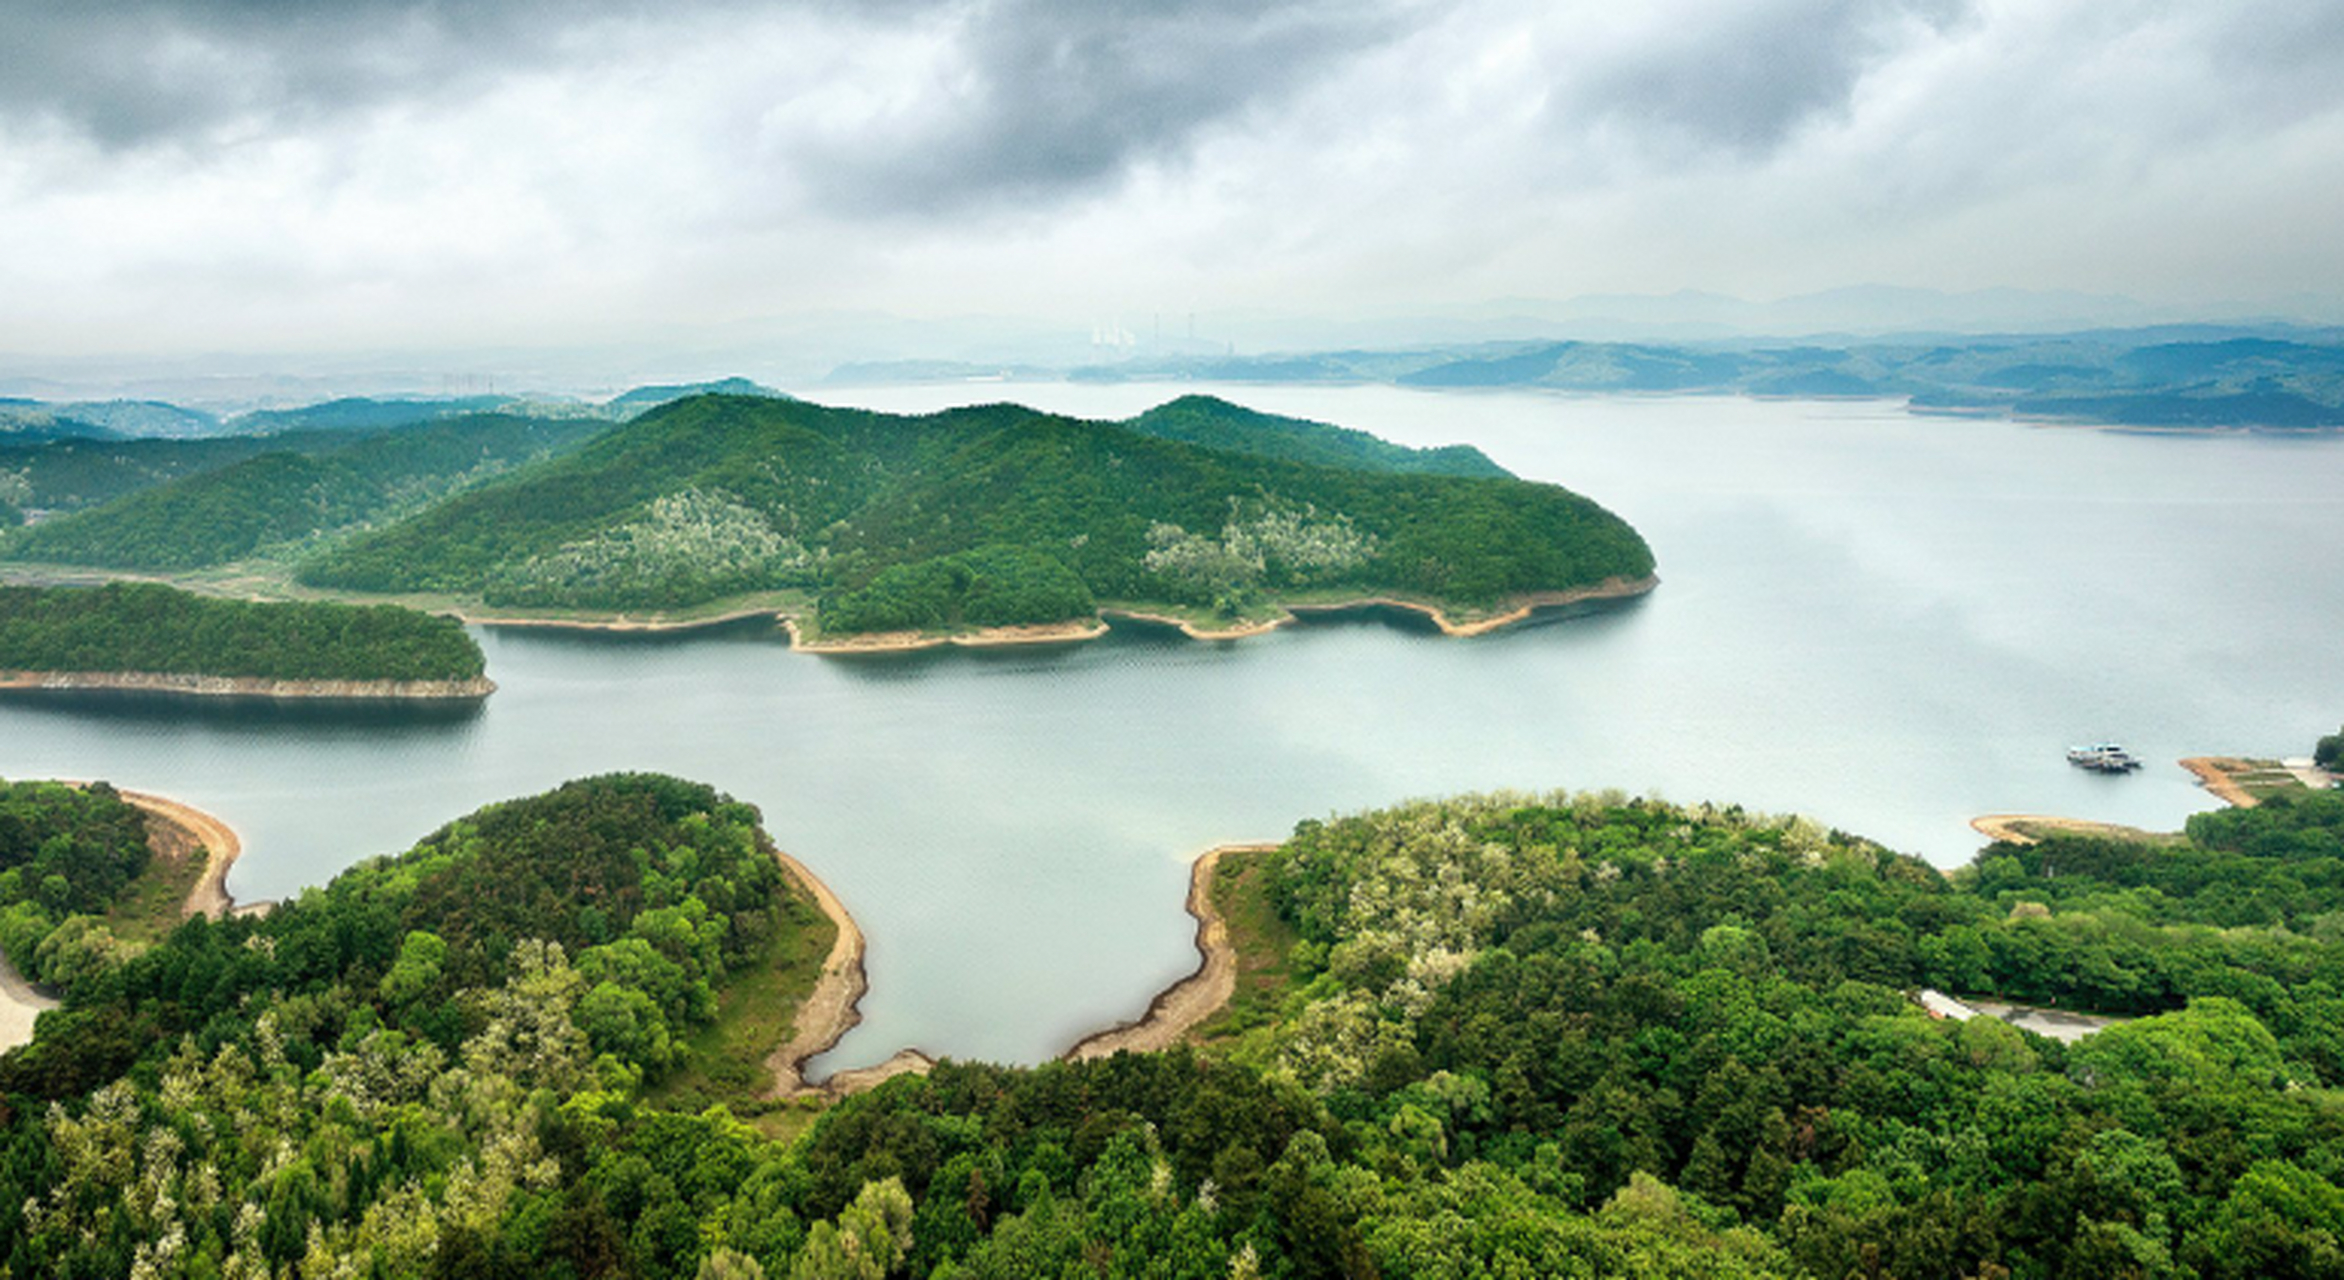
x,y
1890,622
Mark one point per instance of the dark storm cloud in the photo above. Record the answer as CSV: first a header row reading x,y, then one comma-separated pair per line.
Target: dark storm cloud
x,y
1044,96
146,71
1746,77
1059,95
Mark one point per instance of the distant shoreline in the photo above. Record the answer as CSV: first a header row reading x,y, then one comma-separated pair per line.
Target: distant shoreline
x,y
205,686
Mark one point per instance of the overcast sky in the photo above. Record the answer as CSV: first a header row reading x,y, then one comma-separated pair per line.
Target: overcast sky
x,y
187,176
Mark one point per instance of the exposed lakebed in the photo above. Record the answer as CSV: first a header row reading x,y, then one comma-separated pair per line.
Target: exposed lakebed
x,y
1893,623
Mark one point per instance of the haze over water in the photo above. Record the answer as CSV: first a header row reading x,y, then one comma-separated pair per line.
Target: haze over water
x,y
1890,622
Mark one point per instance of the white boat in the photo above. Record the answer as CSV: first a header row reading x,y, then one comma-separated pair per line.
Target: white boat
x,y
2103,757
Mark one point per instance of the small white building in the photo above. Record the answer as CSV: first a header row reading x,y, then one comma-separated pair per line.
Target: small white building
x,y
1940,1005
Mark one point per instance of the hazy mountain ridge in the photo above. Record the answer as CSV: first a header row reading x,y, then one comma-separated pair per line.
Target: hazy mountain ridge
x,y
2187,376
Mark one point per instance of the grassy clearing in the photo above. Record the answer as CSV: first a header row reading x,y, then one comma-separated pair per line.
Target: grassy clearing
x,y
150,907
1266,974
2260,779
724,1062
2038,829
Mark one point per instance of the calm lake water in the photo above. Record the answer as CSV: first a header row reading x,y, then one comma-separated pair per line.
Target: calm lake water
x,y
1892,623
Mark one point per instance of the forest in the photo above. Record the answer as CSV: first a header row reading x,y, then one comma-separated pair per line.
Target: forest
x,y
150,628
886,518
190,504
66,854
1515,1036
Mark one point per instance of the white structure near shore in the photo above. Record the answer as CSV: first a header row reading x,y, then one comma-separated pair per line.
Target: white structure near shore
x,y
2058,1024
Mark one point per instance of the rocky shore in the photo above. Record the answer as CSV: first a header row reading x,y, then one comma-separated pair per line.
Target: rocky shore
x,y
248,686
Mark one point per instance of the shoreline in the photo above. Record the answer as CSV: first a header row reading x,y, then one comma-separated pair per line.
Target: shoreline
x,y
174,829
1178,1009
2217,780
1519,608
220,845
1070,631
203,686
619,623
2004,827
831,1009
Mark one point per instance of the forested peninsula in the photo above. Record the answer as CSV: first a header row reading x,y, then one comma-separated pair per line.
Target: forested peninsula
x,y
858,523
150,637
1493,1035
996,516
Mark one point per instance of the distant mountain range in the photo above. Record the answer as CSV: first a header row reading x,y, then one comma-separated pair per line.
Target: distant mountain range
x,y
2161,378
25,421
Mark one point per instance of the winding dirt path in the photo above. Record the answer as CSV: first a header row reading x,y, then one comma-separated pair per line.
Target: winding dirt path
x,y
21,1004
1178,1009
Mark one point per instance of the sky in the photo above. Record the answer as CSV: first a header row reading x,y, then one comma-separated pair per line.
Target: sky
x,y
200,178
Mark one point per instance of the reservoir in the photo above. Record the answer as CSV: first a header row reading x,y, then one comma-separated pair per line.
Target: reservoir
x,y
1893,623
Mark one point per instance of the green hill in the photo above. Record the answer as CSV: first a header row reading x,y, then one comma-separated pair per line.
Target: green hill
x,y
1490,1036
1218,424
63,476
985,515
188,505
627,404
151,628
364,413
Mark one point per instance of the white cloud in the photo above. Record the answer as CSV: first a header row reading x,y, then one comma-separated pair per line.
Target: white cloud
x,y
617,173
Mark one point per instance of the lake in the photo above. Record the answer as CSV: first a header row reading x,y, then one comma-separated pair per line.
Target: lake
x,y
1893,623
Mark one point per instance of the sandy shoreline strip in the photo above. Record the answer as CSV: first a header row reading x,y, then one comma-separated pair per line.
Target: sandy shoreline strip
x,y
1177,1009
2213,773
180,684
1520,609
1079,629
913,641
2005,827
175,829
185,828
654,624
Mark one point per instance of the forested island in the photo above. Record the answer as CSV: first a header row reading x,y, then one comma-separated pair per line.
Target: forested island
x,y
1495,1035
148,636
853,522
